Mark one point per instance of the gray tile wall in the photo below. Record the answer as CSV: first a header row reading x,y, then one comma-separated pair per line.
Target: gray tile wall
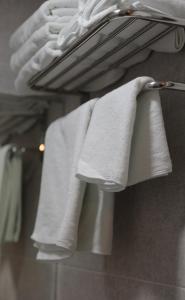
x,y
148,260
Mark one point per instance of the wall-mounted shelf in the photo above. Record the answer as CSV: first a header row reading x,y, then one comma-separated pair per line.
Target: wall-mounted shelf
x,y
106,46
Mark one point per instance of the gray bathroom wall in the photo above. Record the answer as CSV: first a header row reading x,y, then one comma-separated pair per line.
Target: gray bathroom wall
x,y
148,259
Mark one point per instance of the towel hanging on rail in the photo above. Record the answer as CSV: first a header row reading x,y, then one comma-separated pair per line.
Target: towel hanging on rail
x,y
10,194
71,215
110,142
126,142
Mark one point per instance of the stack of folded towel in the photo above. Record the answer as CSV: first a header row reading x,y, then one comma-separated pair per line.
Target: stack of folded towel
x,y
10,194
90,12
34,42
58,23
102,147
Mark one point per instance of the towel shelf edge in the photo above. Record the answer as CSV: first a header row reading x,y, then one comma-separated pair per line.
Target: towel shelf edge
x,y
131,14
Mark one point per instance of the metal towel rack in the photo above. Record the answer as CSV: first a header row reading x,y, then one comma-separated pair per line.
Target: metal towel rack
x,y
88,57
160,85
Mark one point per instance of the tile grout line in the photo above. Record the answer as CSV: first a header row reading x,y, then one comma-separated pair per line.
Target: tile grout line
x,y
126,277
100,273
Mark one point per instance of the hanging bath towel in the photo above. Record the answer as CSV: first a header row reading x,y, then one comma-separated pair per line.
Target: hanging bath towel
x,y
10,194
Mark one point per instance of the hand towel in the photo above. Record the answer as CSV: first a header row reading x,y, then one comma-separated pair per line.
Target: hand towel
x,y
49,11
10,194
49,32
72,215
38,62
126,142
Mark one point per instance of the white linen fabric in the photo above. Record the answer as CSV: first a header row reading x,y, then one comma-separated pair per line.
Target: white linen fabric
x,y
71,214
90,12
49,11
10,195
38,62
48,32
126,142
82,169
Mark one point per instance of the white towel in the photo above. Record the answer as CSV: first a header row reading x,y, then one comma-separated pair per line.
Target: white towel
x,y
90,12
49,11
48,32
10,194
71,215
126,142
37,63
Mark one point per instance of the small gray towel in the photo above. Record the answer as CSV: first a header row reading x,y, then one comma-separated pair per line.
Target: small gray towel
x,y
10,194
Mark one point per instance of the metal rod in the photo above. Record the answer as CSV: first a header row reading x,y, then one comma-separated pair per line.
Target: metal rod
x,y
128,17
170,85
127,57
23,149
110,53
68,52
90,51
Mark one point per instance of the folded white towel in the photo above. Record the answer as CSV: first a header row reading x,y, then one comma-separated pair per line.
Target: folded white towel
x,y
37,63
173,42
49,11
90,12
71,215
126,142
48,32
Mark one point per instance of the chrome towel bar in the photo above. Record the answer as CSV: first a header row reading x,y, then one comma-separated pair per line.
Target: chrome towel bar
x,y
160,85
85,61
